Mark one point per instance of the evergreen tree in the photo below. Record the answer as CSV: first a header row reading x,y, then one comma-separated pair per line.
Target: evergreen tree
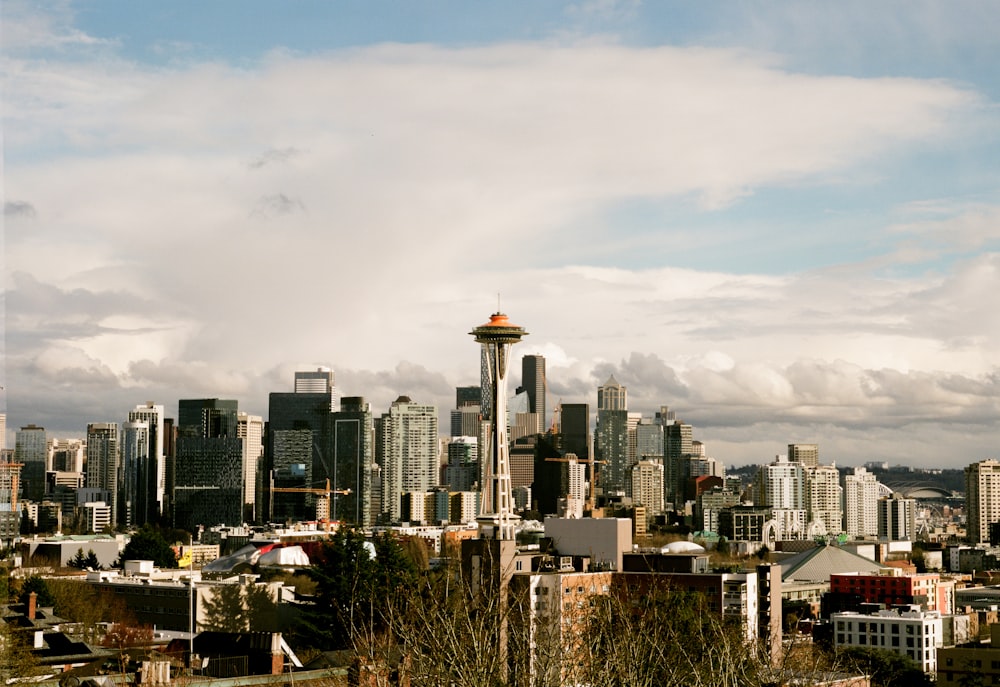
x,y
36,584
355,591
78,560
91,560
148,545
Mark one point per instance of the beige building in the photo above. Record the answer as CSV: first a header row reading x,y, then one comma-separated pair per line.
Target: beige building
x,y
982,498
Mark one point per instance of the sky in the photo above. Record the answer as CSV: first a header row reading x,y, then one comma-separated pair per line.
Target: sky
x,y
782,220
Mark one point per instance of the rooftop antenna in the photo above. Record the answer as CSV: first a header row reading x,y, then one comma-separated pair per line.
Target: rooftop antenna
x,y
498,302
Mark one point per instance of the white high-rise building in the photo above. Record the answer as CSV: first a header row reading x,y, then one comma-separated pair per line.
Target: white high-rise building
x,y
408,443
250,430
647,486
824,497
103,460
982,499
780,485
861,494
152,414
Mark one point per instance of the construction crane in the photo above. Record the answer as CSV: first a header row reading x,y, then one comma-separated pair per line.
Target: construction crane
x,y
322,503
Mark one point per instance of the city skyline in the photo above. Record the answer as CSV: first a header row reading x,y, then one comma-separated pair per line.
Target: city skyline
x,y
780,221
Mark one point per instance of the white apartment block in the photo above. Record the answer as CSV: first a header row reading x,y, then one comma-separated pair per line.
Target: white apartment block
x,y
982,498
780,485
861,494
824,497
647,486
913,633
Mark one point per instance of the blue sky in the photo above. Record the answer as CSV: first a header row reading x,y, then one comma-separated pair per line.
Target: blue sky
x,y
780,219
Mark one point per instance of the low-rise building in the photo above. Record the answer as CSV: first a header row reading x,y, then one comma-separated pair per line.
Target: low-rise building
x,y
910,632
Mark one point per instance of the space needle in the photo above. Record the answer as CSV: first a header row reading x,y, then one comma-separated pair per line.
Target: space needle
x,y
496,513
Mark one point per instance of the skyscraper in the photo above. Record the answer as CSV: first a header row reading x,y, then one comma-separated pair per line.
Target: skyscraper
x,y
103,462
208,477
31,451
897,518
152,414
250,429
678,444
352,459
298,444
647,486
318,381
982,499
136,502
824,497
407,452
10,509
574,429
861,494
533,382
611,440
807,454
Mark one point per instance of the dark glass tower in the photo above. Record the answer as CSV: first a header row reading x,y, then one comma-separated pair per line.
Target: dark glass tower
x,y
351,436
533,381
208,468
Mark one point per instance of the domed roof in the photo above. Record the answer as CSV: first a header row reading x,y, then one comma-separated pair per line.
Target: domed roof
x,y
682,547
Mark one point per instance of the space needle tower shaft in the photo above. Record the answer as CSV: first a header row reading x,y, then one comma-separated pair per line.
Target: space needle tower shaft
x,y
496,508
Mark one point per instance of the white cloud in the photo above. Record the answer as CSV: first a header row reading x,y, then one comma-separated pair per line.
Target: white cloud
x,y
196,228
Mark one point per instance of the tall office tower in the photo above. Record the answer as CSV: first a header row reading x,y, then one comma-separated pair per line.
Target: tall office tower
x,y
897,518
574,429
208,467
649,440
250,430
647,486
612,396
170,463
465,419
521,422
352,458
665,416
533,381
65,455
462,471
497,505
824,497
10,508
104,461
31,451
407,452
677,445
982,499
136,501
861,494
298,448
3,431
807,454
468,396
318,381
152,414
611,436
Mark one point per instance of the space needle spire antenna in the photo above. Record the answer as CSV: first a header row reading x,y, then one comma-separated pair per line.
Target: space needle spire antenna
x,y
496,514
